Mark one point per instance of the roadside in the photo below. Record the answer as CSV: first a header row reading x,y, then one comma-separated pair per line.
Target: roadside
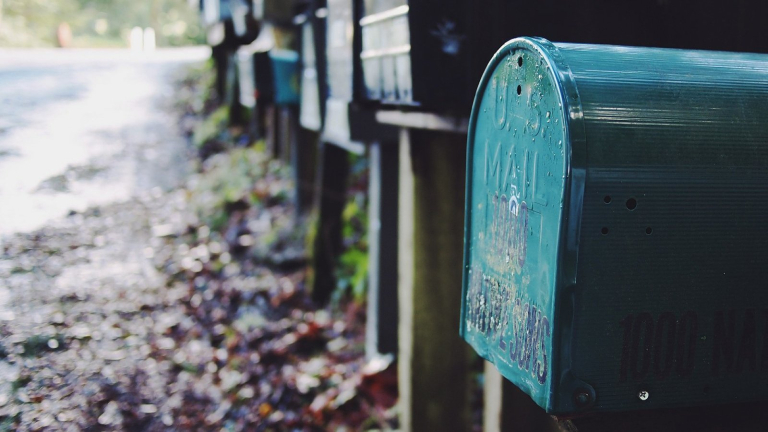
x,y
184,310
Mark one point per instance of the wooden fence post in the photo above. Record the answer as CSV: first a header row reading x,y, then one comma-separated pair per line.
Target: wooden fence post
x,y
434,363
304,159
381,325
508,409
333,174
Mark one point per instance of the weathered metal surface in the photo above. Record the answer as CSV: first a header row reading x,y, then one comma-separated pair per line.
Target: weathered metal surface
x,y
614,239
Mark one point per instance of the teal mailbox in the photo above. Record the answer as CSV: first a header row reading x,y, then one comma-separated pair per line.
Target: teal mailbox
x,y
616,240
285,70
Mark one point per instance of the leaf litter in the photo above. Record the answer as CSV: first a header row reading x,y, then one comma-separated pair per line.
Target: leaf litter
x,y
183,310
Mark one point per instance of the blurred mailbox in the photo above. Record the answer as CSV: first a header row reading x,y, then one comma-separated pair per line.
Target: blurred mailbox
x,y
277,11
416,52
615,249
243,20
268,77
285,72
215,11
340,56
312,83
214,15
347,123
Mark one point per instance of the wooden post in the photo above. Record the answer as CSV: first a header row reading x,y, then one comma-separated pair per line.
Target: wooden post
x,y
271,134
381,325
508,409
333,175
305,149
434,363
286,133
220,59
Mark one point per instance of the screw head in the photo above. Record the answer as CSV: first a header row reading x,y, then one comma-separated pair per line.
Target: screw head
x,y
582,397
643,395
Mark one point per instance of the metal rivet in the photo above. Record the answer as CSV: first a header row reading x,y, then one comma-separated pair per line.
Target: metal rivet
x,y
643,395
582,397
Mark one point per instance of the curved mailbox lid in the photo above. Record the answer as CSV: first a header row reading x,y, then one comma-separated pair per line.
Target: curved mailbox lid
x,y
524,166
524,130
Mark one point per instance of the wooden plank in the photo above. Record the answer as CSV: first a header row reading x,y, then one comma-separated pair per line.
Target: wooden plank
x,y
381,326
420,120
333,175
286,133
304,160
434,363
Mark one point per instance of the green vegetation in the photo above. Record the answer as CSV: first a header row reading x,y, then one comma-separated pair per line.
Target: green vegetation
x,y
352,270
97,23
241,177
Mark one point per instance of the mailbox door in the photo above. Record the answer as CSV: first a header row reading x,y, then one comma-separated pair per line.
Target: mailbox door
x,y
408,47
386,54
285,65
276,11
519,175
340,49
310,115
340,57
246,77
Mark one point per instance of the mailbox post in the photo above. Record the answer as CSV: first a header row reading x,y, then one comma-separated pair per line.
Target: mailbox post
x,y
350,125
614,228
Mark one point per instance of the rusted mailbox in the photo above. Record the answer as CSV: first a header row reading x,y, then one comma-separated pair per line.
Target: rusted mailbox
x,y
615,241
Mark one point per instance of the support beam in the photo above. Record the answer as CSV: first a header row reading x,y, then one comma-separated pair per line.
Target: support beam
x,y
286,134
507,409
434,363
381,326
304,161
333,176
271,134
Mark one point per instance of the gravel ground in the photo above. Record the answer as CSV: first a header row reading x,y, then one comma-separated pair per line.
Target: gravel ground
x,y
136,315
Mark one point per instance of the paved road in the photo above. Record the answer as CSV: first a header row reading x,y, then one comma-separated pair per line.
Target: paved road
x,y
85,127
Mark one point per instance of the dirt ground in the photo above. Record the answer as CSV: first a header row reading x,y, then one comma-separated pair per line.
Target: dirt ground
x,y
137,315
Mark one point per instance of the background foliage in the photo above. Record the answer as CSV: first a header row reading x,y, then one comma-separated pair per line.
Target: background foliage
x,y
97,23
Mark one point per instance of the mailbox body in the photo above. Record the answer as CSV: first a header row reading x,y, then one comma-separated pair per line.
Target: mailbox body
x,y
615,243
